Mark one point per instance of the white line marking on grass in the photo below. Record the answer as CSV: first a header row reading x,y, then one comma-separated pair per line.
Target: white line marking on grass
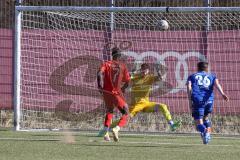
x,y
186,135
180,144
164,143
28,139
182,136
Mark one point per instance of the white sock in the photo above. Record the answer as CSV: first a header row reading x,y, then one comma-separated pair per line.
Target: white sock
x,y
117,127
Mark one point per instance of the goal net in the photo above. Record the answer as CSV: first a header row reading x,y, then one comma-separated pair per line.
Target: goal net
x,y
61,51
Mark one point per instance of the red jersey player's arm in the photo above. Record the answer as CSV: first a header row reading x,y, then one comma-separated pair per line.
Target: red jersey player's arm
x,y
126,78
100,77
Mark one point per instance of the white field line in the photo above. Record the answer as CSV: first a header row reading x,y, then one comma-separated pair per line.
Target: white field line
x,y
28,139
125,134
161,143
215,136
184,135
126,142
168,143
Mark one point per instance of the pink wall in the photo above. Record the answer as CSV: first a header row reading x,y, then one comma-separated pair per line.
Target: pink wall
x,y
64,64
6,68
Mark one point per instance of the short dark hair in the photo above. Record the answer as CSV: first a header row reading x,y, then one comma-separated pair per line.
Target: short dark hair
x,y
202,66
116,52
145,66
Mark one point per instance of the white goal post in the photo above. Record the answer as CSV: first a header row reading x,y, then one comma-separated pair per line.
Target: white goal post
x,y
59,49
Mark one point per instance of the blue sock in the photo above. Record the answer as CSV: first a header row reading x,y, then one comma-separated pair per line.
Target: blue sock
x,y
201,128
106,129
207,123
171,123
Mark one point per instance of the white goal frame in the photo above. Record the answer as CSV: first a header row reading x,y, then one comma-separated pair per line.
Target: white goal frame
x,y
17,40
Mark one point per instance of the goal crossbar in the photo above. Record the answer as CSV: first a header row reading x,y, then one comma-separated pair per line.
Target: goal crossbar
x,y
58,50
128,9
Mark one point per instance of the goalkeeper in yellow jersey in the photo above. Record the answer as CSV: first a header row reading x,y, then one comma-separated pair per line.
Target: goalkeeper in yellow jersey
x,y
141,84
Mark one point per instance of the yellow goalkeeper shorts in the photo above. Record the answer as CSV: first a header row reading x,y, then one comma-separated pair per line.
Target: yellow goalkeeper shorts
x,y
142,106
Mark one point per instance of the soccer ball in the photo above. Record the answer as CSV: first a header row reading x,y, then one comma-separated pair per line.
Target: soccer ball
x,y
163,25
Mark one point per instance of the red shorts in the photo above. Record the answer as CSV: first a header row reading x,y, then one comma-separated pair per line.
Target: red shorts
x,y
114,100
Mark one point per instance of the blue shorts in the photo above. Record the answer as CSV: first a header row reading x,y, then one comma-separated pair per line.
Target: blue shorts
x,y
199,110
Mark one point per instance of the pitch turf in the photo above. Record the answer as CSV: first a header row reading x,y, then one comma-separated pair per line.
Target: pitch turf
x,y
50,146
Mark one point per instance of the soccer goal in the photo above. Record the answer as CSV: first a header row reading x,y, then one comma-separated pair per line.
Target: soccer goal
x,y
58,51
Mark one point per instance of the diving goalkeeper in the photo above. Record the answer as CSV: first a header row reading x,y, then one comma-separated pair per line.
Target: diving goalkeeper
x,y
141,83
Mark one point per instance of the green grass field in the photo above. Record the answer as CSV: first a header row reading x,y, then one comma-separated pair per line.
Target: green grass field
x,y
50,146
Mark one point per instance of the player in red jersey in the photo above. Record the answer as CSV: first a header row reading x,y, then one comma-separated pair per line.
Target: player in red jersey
x,y
111,76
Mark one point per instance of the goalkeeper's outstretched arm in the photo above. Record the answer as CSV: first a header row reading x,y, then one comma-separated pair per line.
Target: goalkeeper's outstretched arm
x,y
159,76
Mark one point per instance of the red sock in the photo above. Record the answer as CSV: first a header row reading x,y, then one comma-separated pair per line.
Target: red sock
x,y
122,122
108,119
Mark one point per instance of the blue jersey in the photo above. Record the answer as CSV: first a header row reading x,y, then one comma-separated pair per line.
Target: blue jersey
x,y
202,87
